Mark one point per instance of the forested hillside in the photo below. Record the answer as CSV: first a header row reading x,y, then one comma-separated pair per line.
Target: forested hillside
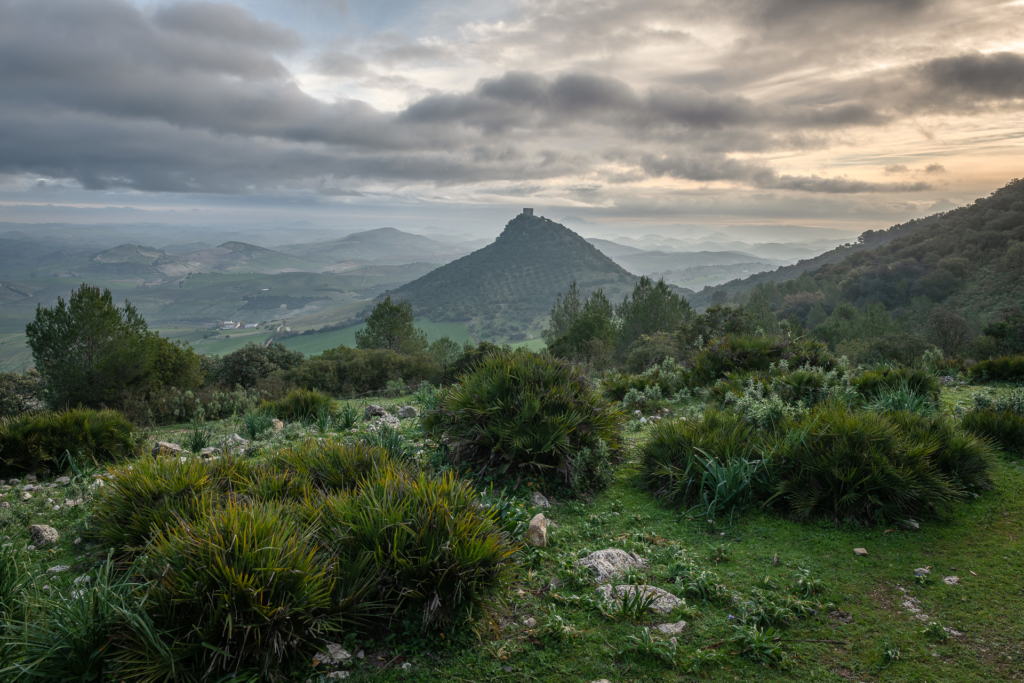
x,y
507,287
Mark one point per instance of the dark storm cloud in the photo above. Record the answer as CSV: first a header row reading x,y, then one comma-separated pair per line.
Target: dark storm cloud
x,y
197,97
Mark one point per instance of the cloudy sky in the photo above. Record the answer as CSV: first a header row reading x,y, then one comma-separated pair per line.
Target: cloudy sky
x,y
840,113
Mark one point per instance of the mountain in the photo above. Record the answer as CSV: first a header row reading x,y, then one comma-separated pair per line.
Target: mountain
x,y
230,257
651,262
508,287
614,249
969,260
382,245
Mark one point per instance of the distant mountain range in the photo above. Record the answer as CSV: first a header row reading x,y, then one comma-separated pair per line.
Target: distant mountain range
x,y
385,246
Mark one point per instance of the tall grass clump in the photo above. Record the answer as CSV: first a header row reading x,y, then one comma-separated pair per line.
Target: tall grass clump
x,y
61,441
440,557
301,405
330,465
846,464
959,455
1002,369
521,414
903,396
709,463
256,422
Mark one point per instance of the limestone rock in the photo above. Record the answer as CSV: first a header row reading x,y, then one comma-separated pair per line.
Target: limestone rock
x,y
58,569
334,656
672,629
374,410
277,424
951,580
922,571
540,500
208,451
85,578
235,441
30,477
167,448
538,531
14,482
26,496
664,602
407,412
530,623
42,534
910,525
63,481
611,563
5,504
860,552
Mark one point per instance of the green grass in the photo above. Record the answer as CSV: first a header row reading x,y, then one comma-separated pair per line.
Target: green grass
x,y
979,541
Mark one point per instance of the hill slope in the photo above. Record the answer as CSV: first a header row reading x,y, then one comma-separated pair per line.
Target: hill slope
x,y
507,288
381,245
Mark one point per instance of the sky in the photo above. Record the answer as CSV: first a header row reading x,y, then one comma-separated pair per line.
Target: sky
x,y
851,114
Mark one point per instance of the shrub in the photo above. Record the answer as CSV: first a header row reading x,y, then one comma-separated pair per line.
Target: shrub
x,y
1004,427
171,405
239,588
330,465
349,372
690,462
256,422
903,397
1002,369
742,353
856,465
440,556
19,393
959,455
43,442
874,383
139,500
522,414
301,405
668,377
251,363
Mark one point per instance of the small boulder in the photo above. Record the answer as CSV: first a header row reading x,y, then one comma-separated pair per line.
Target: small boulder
x,y
540,500
672,629
13,482
860,552
43,535
374,410
63,481
611,563
664,602
208,451
334,656
277,424
167,448
922,571
407,412
951,580
26,496
236,441
530,623
538,531
30,477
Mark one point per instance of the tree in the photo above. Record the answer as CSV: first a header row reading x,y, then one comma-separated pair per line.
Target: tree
x,y
390,326
88,351
251,363
950,332
816,316
563,314
653,308
591,332
445,353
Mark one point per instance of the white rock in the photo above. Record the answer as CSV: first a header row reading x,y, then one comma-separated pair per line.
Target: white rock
x,y
334,656
277,424
860,552
611,563
537,534
672,629
208,451
540,500
167,448
951,580
922,571
14,482
63,481
530,623
58,569
374,411
664,602
85,578
26,496
43,535
406,666
407,412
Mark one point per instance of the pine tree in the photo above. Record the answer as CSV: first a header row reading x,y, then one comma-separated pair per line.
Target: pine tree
x,y
390,326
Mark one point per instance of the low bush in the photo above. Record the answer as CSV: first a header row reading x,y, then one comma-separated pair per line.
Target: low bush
x,y
522,414
702,461
350,372
1004,427
1002,369
745,353
171,405
959,455
62,441
241,589
846,464
19,393
330,465
668,378
301,405
872,384
440,558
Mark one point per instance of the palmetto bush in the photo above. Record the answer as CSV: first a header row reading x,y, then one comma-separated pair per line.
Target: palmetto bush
x,y
877,383
59,441
240,589
1004,427
301,405
330,465
846,464
959,455
1002,369
521,414
439,556
749,353
703,461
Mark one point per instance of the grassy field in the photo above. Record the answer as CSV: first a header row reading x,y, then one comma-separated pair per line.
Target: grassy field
x,y
881,638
